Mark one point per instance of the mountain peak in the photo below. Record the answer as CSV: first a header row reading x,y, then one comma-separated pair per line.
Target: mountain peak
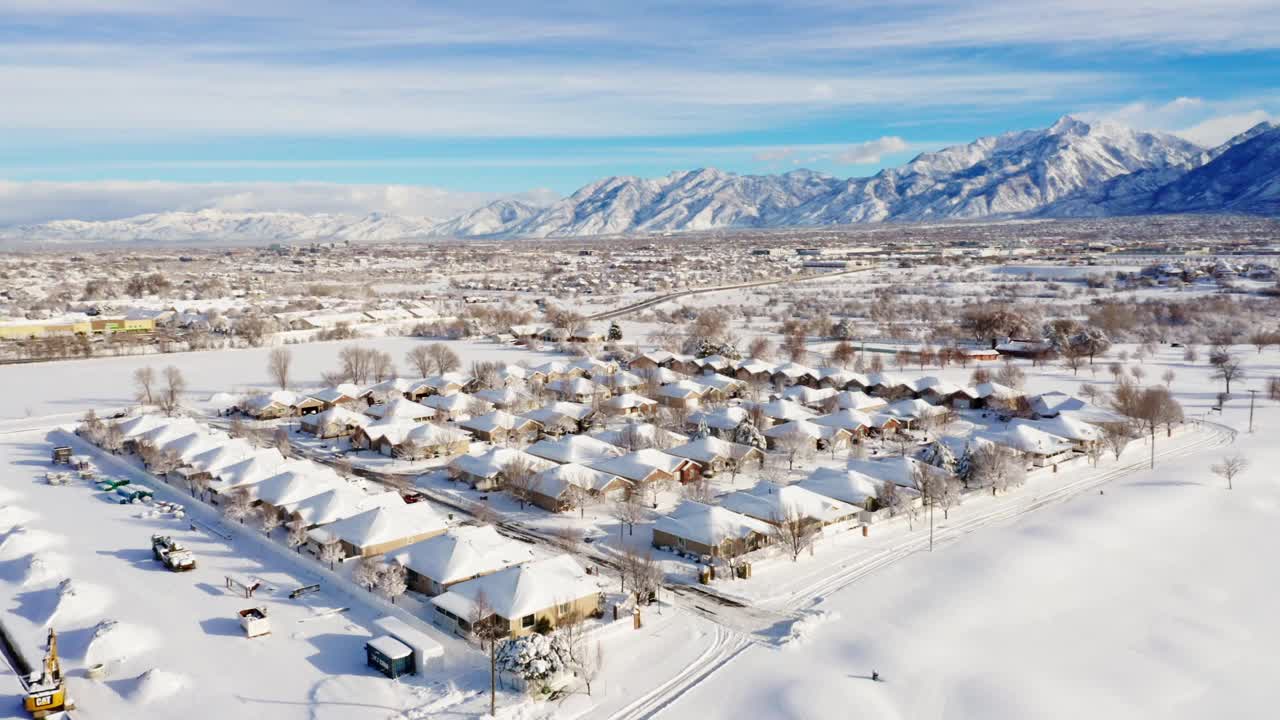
x,y
1068,124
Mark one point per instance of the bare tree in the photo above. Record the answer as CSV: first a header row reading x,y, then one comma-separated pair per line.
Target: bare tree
x,y
279,362
280,440
443,359
1230,467
145,379
1095,451
419,358
297,535
113,439
1156,407
997,467
486,629
1228,370
794,445
699,491
1116,438
628,511
174,385
1168,378
331,553
793,531
238,506
268,519
760,348
519,478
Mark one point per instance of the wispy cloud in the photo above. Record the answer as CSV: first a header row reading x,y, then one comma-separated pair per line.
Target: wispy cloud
x,y
1204,122
37,201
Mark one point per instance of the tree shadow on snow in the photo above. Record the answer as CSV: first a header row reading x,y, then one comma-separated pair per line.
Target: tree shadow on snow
x,y
338,654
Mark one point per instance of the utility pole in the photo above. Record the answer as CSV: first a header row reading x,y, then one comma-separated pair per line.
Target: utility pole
x,y
931,522
1252,395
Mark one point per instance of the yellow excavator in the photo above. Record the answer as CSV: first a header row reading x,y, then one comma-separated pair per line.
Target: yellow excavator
x,y
47,694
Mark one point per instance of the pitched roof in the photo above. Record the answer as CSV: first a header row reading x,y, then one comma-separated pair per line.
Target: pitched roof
x,y
523,589
639,464
848,486
575,449
554,481
772,503
708,524
490,463
709,448
463,552
380,525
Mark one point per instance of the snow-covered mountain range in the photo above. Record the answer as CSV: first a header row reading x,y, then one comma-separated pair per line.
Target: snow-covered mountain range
x,y
1070,169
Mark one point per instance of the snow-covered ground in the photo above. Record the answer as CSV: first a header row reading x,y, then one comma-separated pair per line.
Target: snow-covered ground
x,y
1152,597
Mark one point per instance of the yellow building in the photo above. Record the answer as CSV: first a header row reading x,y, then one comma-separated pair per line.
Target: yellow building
x,y
75,325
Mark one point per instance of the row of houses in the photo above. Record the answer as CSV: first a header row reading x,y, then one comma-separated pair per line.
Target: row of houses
x,y
457,565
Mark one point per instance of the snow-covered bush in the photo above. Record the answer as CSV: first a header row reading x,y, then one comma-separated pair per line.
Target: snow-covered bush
x,y
535,659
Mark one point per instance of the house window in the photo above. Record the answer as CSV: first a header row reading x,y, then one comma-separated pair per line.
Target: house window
x,y
526,621
565,607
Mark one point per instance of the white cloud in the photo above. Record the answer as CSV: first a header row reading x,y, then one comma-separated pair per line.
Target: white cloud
x,y
871,151
774,154
1204,122
39,201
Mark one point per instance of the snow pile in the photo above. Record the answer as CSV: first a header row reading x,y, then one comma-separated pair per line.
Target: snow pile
x,y
115,643
77,601
11,516
43,569
155,684
804,628
24,541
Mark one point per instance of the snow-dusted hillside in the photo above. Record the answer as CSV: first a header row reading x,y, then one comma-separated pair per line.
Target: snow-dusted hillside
x,y
1070,169
226,227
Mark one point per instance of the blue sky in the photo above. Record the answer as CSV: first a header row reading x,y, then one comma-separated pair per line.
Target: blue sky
x,y
484,97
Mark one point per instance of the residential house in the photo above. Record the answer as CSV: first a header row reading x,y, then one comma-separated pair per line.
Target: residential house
x,y
776,504
381,530
337,421
484,472
709,530
574,449
564,487
459,554
650,467
848,486
501,427
399,408
549,591
714,455
820,437
630,405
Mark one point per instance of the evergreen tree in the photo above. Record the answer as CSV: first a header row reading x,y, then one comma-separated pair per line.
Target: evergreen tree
x,y
939,455
748,434
615,332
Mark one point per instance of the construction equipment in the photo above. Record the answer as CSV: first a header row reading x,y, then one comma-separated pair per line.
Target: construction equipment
x,y
174,556
47,693
255,622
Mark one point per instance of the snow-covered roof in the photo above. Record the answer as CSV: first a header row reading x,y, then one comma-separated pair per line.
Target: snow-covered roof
x,y
1052,403
523,589
553,412
339,502
796,370
806,395
683,389
723,383
298,482
490,463
456,403
277,398
848,419
707,449
785,410
708,524
463,552
194,443
496,420
214,459
897,469
1064,425
258,466
506,396
337,415
644,432
806,428
913,409
390,647
1028,439
381,525
848,486
554,481
434,434
772,503
574,449
575,386
386,388
400,408
159,435
638,465
627,401
345,391
725,418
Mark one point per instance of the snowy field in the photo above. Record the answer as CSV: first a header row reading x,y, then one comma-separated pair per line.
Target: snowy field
x,y
1114,592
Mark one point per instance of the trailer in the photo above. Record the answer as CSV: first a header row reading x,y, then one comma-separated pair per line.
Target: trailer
x,y
109,484
254,622
174,556
61,455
